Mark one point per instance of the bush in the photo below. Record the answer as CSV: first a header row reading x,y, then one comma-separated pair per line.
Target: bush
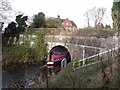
x,y
19,56
40,45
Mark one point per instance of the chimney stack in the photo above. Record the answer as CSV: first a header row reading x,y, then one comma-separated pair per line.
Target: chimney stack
x,y
58,16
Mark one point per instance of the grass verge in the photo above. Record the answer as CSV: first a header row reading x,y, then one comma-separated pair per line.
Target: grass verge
x,y
86,77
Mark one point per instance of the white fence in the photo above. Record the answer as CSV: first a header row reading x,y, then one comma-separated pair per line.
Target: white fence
x,y
95,58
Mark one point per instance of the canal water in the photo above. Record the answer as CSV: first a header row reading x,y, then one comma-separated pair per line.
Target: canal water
x,y
22,78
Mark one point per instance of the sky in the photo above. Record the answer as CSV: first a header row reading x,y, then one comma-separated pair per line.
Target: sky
x,y
71,9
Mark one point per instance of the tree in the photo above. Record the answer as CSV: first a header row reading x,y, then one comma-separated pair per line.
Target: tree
x,y
5,9
38,21
100,26
13,30
21,23
40,45
52,23
96,14
87,17
9,33
107,26
115,14
1,26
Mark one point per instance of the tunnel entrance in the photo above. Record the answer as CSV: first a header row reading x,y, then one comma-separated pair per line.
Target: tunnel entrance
x,y
61,57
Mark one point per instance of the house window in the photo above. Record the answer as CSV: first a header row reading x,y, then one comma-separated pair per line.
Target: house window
x,y
66,23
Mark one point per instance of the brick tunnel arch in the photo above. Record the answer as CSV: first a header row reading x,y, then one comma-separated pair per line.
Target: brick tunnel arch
x,y
60,49
59,53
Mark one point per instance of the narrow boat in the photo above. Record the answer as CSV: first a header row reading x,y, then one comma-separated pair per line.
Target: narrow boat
x,y
57,60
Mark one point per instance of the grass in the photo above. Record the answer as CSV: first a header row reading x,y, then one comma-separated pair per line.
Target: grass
x,y
79,32
86,77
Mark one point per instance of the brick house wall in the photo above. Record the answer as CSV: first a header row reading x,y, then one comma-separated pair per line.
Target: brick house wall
x,y
68,24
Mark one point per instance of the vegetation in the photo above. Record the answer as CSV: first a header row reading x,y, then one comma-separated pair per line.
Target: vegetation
x,y
116,14
86,32
5,8
38,21
40,45
17,56
52,23
97,75
96,15
13,30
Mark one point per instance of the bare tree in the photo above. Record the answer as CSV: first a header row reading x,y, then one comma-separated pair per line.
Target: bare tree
x,y
96,14
86,14
5,9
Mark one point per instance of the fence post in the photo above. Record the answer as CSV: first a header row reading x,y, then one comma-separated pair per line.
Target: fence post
x,y
83,55
98,57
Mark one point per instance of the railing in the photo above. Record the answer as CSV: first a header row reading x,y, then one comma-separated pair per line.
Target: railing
x,y
95,58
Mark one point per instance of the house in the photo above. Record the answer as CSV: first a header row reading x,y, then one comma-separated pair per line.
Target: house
x,y
64,23
68,24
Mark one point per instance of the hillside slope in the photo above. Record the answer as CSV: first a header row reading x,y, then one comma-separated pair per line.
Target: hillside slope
x,y
87,77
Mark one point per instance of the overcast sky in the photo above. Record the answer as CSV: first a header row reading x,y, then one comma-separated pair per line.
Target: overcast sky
x,y
72,9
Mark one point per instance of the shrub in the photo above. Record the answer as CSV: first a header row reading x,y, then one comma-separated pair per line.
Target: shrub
x,y
18,56
40,45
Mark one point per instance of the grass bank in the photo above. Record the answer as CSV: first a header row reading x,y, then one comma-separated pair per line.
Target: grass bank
x,y
78,32
87,77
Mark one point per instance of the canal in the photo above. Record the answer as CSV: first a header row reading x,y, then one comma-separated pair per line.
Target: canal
x,y
23,78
